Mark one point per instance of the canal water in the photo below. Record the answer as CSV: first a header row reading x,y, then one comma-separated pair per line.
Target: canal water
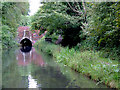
x,y
35,69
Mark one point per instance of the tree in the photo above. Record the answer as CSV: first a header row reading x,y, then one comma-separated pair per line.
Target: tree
x,y
103,24
58,18
11,17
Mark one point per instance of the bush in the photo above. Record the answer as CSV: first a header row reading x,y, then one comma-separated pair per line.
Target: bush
x,y
7,37
112,53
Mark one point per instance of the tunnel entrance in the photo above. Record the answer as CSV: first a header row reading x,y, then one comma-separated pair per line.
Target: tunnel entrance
x,y
26,45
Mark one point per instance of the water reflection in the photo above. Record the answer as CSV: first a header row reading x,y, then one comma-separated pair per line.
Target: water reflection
x,y
32,82
26,49
31,56
38,70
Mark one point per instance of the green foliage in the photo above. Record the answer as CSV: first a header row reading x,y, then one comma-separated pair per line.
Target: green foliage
x,y
54,17
112,53
25,20
46,47
65,55
102,23
102,29
50,17
7,37
10,19
102,70
12,11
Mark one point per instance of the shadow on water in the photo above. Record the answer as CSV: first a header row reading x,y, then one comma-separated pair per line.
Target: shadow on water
x,y
28,68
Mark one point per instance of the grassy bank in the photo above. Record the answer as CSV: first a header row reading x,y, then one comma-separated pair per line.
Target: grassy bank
x,y
89,63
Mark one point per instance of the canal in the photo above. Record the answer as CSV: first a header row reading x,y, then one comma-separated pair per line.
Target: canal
x,y
34,69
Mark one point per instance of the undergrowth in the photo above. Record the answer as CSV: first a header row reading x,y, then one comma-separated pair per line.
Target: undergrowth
x,y
87,62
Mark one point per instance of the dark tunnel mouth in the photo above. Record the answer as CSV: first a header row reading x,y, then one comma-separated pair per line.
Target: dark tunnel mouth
x,y
26,42
26,45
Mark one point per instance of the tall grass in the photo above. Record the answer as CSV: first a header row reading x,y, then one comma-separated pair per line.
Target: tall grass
x,y
89,63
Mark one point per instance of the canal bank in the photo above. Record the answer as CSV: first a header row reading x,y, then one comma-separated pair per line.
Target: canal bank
x,y
36,69
101,70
